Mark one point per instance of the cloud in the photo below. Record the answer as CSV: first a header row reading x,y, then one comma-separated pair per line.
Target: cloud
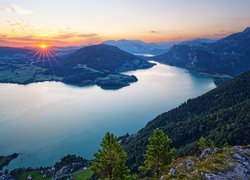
x,y
75,35
55,41
17,24
2,37
87,35
16,9
154,32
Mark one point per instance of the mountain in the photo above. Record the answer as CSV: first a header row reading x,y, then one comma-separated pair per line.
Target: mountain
x,y
11,51
140,47
229,55
221,115
197,42
101,65
106,58
19,55
66,51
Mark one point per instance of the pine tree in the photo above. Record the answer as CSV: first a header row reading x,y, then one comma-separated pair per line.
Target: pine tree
x,y
158,154
110,160
202,143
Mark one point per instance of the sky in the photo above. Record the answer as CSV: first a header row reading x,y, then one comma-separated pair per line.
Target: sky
x,y
82,22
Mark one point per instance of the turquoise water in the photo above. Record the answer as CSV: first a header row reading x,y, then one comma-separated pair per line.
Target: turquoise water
x,y
45,121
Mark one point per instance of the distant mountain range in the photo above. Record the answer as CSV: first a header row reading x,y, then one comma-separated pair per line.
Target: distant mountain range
x,y
141,47
229,55
85,65
221,115
10,51
197,42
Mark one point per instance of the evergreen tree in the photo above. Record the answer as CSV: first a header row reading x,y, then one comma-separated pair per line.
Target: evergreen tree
x,y
110,160
158,154
202,143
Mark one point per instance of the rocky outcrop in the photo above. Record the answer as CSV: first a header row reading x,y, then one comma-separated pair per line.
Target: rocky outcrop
x,y
240,166
217,164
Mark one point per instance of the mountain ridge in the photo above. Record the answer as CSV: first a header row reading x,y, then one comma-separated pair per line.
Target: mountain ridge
x,y
229,55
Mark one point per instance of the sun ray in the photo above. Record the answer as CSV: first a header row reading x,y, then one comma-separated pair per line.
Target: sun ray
x,y
45,54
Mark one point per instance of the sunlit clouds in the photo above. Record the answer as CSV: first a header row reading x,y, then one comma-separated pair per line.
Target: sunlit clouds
x,y
56,36
84,22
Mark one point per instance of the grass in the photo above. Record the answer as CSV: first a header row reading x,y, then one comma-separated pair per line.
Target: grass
x,y
35,174
25,73
219,161
83,175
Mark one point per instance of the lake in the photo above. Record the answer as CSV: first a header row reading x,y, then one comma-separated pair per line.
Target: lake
x,y
45,121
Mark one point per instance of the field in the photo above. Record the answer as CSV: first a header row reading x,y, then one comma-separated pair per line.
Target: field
x,y
35,174
83,175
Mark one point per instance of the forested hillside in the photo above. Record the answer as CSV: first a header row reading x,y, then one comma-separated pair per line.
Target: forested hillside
x,y
221,115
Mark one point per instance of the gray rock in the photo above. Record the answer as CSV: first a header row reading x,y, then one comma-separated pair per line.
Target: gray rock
x,y
239,157
240,167
172,171
189,164
206,152
239,172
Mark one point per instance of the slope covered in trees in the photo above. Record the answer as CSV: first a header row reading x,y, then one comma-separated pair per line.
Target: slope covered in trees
x,y
229,55
221,115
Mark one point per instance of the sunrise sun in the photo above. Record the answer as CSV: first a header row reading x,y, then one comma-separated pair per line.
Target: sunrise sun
x,y
44,52
43,46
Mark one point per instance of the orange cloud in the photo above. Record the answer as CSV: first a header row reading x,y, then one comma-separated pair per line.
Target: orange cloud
x,y
75,35
60,40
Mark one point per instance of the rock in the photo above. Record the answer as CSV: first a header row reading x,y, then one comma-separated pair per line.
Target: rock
x,y
238,148
239,157
212,176
162,178
205,153
189,164
29,177
172,171
240,168
216,149
239,172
